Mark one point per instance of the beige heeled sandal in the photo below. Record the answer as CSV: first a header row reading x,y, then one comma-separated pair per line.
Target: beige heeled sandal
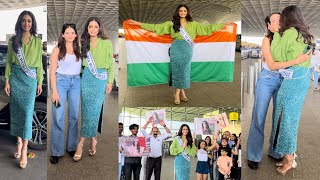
x,y
23,164
284,172
77,157
93,151
176,102
17,154
184,99
280,164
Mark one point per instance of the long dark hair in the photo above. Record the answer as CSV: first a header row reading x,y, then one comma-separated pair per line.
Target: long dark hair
x,y
291,16
189,136
201,142
17,38
62,42
235,139
267,21
209,141
207,126
85,37
176,17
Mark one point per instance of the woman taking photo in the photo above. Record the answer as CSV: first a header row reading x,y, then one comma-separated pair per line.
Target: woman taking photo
x,y
97,78
183,30
65,62
183,147
292,40
24,77
267,86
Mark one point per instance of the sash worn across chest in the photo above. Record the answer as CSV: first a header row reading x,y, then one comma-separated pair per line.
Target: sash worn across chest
x,y
93,69
30,73
184,153
186,36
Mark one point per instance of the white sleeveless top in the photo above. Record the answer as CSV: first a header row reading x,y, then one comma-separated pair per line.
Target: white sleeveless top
x,y
202,155
264,64
69,65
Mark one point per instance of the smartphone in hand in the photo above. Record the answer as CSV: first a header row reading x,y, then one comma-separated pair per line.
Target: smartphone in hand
x,y
308,48
55,104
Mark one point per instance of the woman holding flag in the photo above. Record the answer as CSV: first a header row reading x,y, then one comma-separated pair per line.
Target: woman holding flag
x,y
183,30
24,77
97,78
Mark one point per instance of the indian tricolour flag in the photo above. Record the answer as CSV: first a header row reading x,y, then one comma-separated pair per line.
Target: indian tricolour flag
x,y
148,56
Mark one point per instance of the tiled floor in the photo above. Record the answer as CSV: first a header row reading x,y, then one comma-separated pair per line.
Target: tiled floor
x,y
9,168
200,94
308,148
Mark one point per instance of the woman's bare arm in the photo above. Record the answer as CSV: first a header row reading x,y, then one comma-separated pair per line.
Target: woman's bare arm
x,y
273,65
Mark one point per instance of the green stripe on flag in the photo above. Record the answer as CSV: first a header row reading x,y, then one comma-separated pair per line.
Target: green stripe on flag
x,y
145,74
212,71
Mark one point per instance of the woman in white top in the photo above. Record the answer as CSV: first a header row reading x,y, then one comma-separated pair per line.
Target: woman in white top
x,y
65,81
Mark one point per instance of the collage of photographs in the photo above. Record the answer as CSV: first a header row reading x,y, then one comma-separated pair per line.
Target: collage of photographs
x,y
159,89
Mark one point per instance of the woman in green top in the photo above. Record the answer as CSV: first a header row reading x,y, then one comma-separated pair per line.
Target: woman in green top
x,y
22,88
97,78
181,50
287,44
183,147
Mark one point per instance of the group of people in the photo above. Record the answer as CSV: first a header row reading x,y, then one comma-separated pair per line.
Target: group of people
x,y
24,75
133,165
222,154
285,77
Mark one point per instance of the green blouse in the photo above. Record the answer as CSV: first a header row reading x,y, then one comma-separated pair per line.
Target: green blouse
x,y
193,28
176,149
32,54
103,57
287,47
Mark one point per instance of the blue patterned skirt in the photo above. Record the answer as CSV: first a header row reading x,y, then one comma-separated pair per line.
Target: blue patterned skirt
x,y
180,64
290,99
92,100
182,168
22,97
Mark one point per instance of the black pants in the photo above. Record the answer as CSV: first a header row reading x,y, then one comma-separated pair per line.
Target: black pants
x,y
153,164
134,168
221,176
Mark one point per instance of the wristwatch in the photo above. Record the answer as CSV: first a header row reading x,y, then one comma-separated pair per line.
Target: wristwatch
x,y
165,126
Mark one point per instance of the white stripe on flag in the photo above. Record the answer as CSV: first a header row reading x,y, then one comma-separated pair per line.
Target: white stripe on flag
x,y
151,52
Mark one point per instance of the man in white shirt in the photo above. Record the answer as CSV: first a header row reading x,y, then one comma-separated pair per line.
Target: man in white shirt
x,y
154,160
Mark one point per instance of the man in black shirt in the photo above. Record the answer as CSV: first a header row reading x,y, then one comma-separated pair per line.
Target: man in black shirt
x,y
132,164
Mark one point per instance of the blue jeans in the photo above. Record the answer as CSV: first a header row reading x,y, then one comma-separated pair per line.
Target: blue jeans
x,y
68,87
267,86
119,170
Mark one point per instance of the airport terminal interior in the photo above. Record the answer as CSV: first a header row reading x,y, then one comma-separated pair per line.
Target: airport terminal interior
x,y
129,104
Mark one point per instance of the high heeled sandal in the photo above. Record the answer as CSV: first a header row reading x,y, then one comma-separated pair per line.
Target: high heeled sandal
x,y
21,163
284,172
280,164
184,99
17,154
77,157
176,102
92,152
